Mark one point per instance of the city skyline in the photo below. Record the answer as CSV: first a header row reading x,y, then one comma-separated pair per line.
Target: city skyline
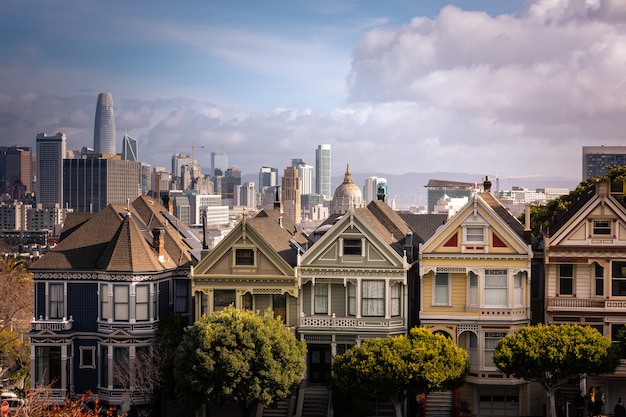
x,y
509,88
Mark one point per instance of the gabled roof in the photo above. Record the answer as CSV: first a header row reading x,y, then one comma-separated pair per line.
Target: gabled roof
x,y
386,223
504,214
423,225
571,210
118,238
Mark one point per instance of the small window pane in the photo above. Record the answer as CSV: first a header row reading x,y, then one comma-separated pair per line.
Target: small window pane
x,y
244,257
352,246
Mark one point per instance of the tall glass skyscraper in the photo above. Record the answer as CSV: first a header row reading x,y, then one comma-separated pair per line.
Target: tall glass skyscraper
x,y
219,161
50,155
129,149
322,171
104,126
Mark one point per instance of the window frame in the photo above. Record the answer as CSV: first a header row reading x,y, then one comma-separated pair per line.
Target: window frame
x,y
105,302
471,235
82,350
370,302
598,275
599,229
439,289
395,309
320,299
144,304
352,246
351,294
618,282
562,278
472,293
119,303
244,257
491,340
226,296
59,304
495,287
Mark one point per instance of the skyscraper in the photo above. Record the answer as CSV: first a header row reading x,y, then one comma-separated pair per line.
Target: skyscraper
x,y
597,158
104,126
291,196
305,172
322,170
219,161
50,154
129,149
372,187
15,171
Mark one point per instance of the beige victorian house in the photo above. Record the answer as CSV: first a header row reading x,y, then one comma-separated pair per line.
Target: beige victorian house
x,y
475,289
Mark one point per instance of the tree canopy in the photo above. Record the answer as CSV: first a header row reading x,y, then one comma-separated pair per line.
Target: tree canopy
x,y
240,357
400,366
555,354
543,214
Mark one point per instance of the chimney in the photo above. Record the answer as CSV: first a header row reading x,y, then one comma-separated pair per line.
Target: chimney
x,y
487,184
408,246
158,243
527,228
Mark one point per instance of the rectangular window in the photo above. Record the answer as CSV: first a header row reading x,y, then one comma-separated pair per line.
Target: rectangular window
x,y
87,357
121,368
244,257
491,340
396,297
475,234
602,227
321,299
143,359
246,301
518,289
48,366
352,246
566,279
442,292
373,299
473,289
618,278
120,302
279,304
142,302
599,277
105,313
104,366
351,299
223,299
496,287
56,296
181,297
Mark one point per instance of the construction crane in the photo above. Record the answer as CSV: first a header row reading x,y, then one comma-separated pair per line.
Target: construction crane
x,y
193,147
516,177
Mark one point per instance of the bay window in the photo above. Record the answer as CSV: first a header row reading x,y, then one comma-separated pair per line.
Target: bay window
x,y
396,297
441,294
566,279
120,302
496,287
618,278
321,299
56,301
373,303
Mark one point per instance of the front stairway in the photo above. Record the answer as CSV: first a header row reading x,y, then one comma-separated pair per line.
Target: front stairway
x,y
439,404
316,400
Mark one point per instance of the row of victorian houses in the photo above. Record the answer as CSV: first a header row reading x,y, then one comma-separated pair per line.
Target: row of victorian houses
x,y
371,272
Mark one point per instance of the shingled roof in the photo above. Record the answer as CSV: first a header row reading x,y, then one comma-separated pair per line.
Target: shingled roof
x,y
386,223
505,215
117,239
279,231
423,225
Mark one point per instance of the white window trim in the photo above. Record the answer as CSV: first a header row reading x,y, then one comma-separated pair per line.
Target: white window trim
x,y
466,241
434,302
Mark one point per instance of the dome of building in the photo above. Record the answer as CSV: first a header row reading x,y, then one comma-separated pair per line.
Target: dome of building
x,y
347,196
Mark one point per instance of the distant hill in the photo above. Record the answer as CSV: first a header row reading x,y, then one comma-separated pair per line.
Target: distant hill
x,y
410,188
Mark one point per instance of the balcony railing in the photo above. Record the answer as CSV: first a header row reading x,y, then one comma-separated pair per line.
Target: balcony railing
x,y
351,322
574,304
56,325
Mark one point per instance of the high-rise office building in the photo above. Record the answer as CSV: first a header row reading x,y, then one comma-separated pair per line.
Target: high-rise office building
x,y
291,195
597,158
15,171
323,171
178,161
129,149
90,184
305,172
268,177
219,164
50,155
232,177
373,187
104,126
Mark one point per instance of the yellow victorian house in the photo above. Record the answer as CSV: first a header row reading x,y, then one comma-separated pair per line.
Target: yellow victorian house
x,y
475,288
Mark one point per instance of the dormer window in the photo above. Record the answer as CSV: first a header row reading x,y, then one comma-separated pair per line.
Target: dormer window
x,y
244,257
602,227
474,234
352,247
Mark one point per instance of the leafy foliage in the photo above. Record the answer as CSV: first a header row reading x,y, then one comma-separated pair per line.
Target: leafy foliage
x,y
38,404
16,285
554,355
235,356
399,367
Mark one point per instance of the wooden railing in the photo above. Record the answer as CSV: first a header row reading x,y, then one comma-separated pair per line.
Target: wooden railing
x,y
56,325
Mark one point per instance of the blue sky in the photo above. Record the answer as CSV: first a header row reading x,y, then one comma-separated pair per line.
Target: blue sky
x,y
506,87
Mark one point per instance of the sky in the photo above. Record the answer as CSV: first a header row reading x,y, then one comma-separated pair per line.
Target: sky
x,y
494,87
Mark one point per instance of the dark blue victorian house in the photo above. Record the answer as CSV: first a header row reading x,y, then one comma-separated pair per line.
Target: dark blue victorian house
x,y
99,298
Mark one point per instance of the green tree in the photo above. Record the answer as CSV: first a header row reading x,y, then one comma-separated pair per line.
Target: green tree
x,y
555,355
543,214
399,366
238,357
